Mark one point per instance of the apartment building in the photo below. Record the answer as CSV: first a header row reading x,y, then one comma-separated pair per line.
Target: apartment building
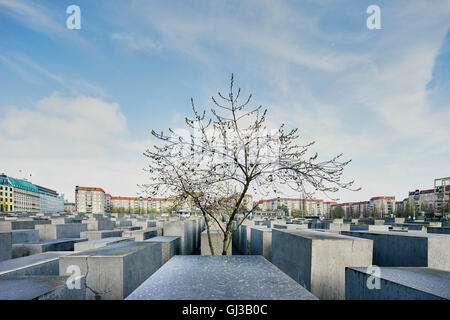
x,y
6,195
313,207
90,200
26,195
382,206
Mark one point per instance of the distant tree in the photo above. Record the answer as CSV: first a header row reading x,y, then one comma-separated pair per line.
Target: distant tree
x,y
297,213
257,208
153,210
338,212
143,211
411,208
284,208
229,152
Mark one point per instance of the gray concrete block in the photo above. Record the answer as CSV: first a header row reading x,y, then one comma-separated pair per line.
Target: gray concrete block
x,y
182,229
24,236
94,244
140,235
317,260
97,235
38,264
219,278
40,288
5,245
60,231
145,224
408,249
100,224
27,249
124,223
441,230
113,272
131,228
261,242
397,283
244,239
16,225
217,243
170,246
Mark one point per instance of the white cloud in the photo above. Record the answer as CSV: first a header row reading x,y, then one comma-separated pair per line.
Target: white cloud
x,y
68,141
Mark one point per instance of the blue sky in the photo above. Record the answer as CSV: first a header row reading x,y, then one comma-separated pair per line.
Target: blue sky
x,y
77,106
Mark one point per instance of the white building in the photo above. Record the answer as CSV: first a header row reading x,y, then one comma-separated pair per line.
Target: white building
x,y
26,195
90,200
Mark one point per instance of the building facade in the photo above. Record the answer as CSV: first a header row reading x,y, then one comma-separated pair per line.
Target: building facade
x,y
6,195
90,200
26,195
69,207
51,202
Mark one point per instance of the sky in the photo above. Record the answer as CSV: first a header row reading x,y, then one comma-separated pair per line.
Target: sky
x,y
77,106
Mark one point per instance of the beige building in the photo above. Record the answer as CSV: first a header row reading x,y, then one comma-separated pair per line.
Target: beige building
x,y
90,200
26,195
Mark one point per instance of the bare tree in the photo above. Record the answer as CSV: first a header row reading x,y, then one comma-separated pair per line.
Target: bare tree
x,y
229,152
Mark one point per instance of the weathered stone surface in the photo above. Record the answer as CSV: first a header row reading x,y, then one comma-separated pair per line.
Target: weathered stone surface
x,y
217,243
398,283
100,224
26,249
182,229
24,236
113,272
60,231
39,288
408,249
219,278
93,244
101,234
261,243
170,246
5,245
441,230
16,225
317,260
38,264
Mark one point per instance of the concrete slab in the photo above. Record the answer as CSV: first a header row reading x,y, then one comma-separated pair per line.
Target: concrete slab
x,y
27,249
408,249
60,231
39,288
219,278
5,245
93,244
38,264
113,272
398,283
217,243
24,236
182,229
317,260
101,234
440,230
261,243
16,225
170,246
100,224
